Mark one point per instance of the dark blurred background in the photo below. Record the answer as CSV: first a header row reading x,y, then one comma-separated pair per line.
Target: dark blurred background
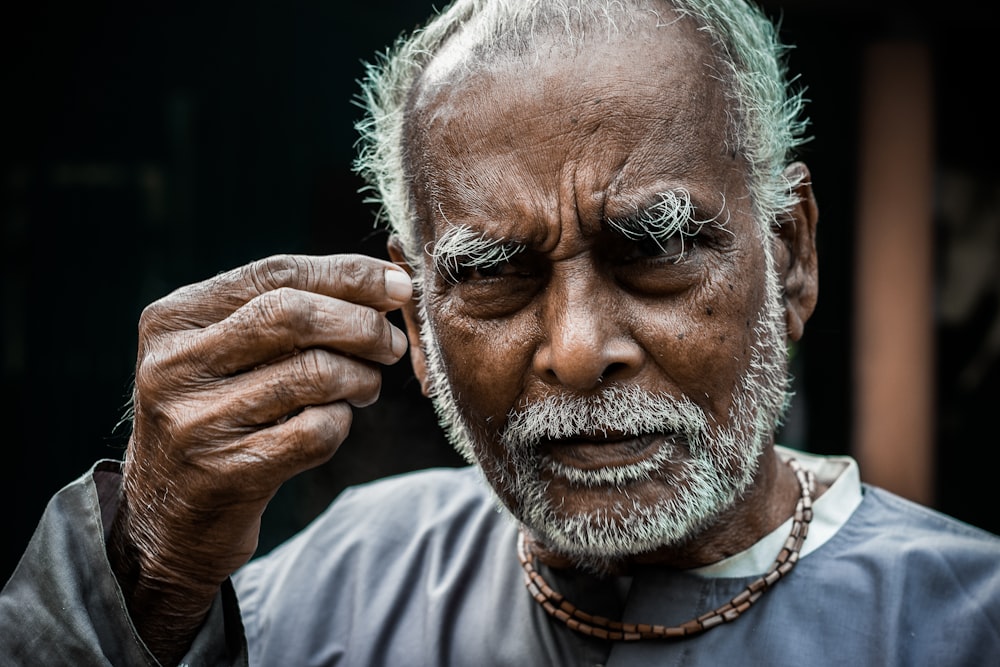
x,y
149,145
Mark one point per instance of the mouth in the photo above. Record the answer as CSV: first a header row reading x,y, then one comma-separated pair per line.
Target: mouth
x,y
604,450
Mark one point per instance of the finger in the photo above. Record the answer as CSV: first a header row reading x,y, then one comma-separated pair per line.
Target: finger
x,y
350,277
231,409
305,441
284,321
314,377
264,458
219,410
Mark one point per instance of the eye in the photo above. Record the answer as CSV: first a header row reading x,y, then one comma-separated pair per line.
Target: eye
x,y
494,289
493,270
658,266
463,255
671,248
467,271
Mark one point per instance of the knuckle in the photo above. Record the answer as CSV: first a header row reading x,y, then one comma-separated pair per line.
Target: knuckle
x,y
357,276
157,364
146,372
370,324
152,318
353,274
314,368
276,271
278,310
322,377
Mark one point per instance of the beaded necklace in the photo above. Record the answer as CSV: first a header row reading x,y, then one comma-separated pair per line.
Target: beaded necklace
x,y
597,626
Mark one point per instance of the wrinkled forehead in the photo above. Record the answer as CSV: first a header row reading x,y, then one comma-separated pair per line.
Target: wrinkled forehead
x,y
642,95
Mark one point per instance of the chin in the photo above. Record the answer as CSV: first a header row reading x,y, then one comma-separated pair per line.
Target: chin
x,y
598,526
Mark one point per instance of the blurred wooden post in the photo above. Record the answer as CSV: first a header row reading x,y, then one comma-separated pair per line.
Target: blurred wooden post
x,y
894,351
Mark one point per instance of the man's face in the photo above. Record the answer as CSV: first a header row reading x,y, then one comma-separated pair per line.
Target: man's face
x,y
598,321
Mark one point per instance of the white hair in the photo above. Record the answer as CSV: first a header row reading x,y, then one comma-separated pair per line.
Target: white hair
x,y
766,121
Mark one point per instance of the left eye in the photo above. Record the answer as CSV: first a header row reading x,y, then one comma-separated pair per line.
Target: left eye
x,y
490,270
672,247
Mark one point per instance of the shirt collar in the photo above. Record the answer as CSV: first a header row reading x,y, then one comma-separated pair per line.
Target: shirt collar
x,y
830,512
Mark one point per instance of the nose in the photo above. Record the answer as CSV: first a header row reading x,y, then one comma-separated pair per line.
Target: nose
x,y
584,344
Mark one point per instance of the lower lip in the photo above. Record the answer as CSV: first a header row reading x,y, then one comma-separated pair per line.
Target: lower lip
x,y
591,455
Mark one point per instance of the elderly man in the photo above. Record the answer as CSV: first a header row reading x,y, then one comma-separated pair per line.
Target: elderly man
x,y
608,246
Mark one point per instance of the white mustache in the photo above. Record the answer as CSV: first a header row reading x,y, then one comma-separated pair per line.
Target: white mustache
x,y
617,410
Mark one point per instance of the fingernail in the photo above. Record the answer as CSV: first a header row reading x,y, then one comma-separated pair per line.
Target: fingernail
x,y
399,342
398,285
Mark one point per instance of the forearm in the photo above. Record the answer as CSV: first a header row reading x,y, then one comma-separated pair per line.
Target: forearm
x,y
166,608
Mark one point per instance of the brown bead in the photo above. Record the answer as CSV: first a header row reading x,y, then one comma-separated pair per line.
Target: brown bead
x,y
603,628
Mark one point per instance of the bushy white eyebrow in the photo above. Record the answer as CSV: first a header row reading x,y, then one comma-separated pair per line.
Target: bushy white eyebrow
x,y
462,247
672,214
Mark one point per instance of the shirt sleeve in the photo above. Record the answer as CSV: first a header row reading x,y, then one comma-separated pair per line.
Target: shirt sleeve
x,y
63,605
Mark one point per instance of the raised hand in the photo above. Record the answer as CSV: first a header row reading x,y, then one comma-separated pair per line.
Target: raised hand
x,y
242,381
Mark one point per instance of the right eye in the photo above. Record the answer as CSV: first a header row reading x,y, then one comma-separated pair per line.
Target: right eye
x,y
495,289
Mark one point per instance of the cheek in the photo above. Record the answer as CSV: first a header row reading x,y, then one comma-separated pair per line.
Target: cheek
x,y
487,361
705,348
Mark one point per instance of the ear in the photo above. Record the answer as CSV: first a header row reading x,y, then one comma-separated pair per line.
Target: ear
x,y
411,317
796,257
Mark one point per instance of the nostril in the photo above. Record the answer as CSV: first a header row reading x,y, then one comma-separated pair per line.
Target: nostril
x,y
612,370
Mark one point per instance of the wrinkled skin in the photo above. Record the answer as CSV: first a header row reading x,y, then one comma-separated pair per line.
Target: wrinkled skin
x,y
223,363
582,137
242,381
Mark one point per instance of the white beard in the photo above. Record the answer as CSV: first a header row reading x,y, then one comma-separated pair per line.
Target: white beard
x,y
713,464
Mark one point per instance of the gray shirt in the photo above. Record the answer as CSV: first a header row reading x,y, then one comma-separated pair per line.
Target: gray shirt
x,y
421,569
